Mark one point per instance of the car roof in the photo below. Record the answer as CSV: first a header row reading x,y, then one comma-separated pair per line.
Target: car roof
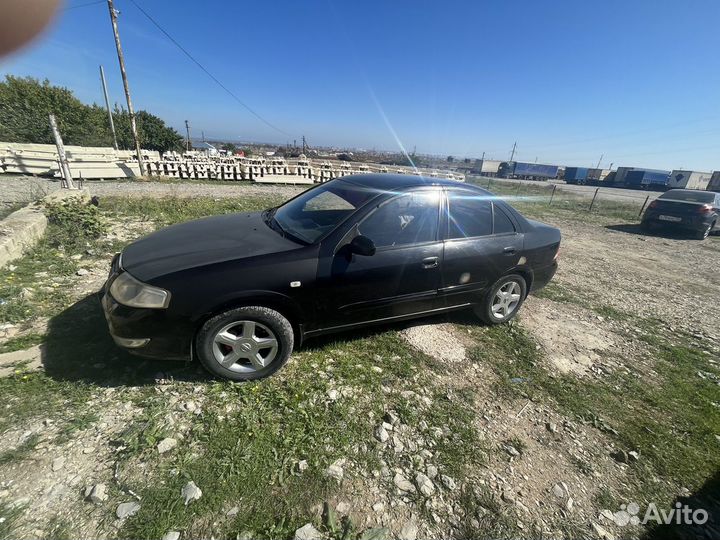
x,y
390,181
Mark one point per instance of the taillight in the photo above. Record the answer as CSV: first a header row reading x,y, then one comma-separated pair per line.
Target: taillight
x,y
705,208
653,204
557,254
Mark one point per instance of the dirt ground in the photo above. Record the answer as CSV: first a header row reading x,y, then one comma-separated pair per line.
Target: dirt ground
x,y
672,282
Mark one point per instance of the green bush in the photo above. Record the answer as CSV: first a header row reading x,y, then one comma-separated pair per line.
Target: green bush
x,y
78,220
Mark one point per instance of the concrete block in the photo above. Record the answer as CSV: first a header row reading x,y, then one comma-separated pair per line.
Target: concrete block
x,y
20,231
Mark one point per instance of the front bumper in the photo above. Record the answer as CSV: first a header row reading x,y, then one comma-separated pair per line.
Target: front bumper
x,y
154,333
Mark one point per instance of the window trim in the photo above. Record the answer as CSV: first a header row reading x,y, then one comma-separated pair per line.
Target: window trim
x,y
493,204
438,235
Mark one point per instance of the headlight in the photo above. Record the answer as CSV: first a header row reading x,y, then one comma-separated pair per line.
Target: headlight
x,y
129,291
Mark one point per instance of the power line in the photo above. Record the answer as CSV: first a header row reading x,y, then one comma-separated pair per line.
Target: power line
x,y
198,64
84,5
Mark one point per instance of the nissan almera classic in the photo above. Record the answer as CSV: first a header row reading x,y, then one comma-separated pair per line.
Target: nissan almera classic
x,y
240,291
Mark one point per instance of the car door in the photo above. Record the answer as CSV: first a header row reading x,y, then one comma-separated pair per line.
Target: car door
x,y
482,242
400,278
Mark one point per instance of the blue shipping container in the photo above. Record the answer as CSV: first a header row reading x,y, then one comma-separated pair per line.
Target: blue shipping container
x,y
535,169
647,177
575,175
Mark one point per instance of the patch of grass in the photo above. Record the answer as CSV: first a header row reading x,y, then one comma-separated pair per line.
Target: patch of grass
x,y
610,312
249,438
462,448
27,396
558,293
9,516
605,499
486,517
59,528
170,210
584,466
77,221
671,422
143,433
21,452
21,342
82,420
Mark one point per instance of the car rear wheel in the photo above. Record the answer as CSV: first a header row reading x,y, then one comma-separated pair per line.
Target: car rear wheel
x,y
245,343
503,300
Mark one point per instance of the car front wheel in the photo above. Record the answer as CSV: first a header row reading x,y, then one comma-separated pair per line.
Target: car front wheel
x,y
245,343
503,300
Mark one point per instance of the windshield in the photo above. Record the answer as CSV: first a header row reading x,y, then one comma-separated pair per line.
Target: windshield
x,y
318,211
690,196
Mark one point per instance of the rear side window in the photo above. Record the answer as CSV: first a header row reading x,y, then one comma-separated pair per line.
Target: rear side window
x,y
502,221
469,215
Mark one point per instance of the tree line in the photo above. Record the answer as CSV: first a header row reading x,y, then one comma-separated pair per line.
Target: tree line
x,y
26,102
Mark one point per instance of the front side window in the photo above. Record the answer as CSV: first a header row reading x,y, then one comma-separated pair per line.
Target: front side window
x,y
407,219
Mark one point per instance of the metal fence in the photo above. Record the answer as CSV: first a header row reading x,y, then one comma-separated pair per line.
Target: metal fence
x,y
598,200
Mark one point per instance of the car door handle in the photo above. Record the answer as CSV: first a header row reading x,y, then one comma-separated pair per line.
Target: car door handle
x,y
509,250
431,262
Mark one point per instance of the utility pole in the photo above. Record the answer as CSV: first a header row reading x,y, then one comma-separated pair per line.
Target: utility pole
x,y
187,140
599,160
121,60
512,154
67,181
107,106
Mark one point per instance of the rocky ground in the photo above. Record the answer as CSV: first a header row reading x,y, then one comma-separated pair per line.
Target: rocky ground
x,y
450,452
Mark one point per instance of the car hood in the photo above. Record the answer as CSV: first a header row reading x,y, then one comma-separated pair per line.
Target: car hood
x,y
202,242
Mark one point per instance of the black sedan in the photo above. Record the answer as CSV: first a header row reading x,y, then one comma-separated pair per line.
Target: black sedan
x,y
240,291
685,209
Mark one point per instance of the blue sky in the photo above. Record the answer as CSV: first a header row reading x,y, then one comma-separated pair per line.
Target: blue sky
x,y
636,80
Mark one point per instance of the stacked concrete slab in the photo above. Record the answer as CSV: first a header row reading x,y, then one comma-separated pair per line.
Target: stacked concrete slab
x,y
93,163
85,162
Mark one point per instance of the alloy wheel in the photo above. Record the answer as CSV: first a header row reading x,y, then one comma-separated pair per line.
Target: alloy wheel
x,y
245,346
506,300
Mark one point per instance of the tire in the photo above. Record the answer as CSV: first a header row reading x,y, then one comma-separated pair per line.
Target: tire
x,y
485,309
245,344
703,234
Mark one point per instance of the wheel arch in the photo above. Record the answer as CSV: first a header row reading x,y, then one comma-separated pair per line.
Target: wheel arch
x,y
284,305
526,274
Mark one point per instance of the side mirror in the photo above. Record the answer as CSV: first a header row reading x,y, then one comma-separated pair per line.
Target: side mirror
x,y
362,245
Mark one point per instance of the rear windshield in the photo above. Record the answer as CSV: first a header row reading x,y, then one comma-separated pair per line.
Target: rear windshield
x,y
690,196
